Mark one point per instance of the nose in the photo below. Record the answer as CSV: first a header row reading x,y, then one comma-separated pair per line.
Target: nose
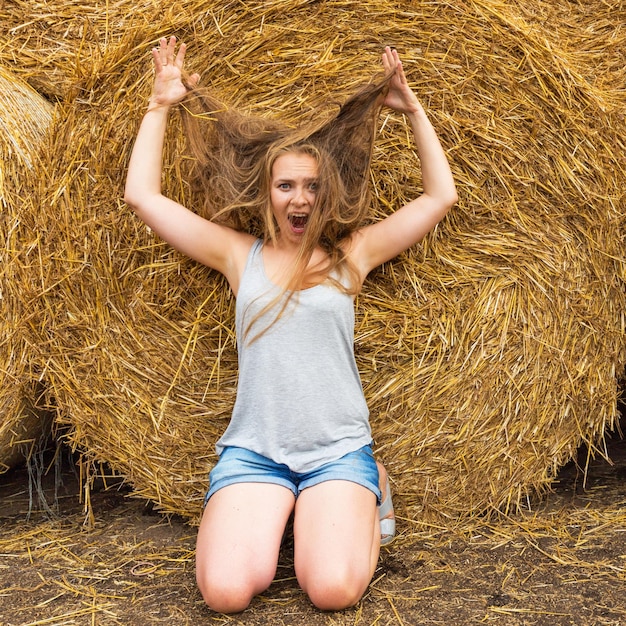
x,y
300,197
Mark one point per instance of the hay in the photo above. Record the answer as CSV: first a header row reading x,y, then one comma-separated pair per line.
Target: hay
x,y
25,428
488,354
25,118
133,567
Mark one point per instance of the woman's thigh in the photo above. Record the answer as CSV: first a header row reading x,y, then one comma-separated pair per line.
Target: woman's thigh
x,y
337,542
239,542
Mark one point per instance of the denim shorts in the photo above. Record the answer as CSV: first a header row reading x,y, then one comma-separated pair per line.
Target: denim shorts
x,y
238,465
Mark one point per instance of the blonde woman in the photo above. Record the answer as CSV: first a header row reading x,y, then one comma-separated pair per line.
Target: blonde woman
x,y
285,222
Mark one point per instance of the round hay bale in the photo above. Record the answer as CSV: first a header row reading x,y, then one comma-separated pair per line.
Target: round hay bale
x,y
27,432
25,119
57,46
488,353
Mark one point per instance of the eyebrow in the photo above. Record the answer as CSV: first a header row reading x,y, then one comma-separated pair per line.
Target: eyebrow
x,y
293,180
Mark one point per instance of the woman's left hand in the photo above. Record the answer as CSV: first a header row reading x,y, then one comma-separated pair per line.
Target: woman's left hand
x,y
400,96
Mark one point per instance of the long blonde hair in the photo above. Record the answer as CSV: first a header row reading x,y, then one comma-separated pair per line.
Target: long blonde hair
x,y
233,156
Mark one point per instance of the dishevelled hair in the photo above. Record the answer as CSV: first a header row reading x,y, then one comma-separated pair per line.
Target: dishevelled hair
x,y
233,156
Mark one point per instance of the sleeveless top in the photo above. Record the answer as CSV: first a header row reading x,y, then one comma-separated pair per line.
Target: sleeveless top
x,y
299,397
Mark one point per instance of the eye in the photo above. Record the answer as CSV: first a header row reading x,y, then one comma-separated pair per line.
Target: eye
x,y
284,186
313,186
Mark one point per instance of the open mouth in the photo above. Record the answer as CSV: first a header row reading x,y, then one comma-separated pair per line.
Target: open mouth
x,y
298,221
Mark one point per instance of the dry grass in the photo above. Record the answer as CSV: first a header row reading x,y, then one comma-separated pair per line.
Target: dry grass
x,y
25,119
489,353
561,564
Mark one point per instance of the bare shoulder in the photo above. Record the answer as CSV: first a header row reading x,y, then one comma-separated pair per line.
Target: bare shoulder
x,y
239,245
355,249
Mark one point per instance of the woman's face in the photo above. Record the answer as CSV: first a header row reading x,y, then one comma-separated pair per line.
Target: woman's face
x,y
292,193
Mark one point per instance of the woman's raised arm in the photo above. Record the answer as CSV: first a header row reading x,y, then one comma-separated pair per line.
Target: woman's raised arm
x,y
213,245
384,240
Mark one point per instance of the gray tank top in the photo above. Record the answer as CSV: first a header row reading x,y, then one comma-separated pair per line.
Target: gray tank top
x,y
299,398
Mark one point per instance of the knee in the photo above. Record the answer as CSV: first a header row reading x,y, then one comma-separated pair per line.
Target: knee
x,y
335,592
222,595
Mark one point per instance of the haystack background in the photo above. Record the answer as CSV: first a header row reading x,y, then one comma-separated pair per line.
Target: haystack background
x,y
25,118
488,354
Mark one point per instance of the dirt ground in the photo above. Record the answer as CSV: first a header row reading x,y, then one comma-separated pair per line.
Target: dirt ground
x,y
563,562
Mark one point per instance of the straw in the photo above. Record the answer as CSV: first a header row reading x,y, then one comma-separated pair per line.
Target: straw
x,y
25,118
489,353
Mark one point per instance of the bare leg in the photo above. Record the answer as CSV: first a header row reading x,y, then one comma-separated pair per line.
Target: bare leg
x,y
337,542
239,542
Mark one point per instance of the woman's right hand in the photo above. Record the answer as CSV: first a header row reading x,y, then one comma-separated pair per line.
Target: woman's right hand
x,y
168,87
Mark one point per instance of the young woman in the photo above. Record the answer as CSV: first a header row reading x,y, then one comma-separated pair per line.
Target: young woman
x,y
299,439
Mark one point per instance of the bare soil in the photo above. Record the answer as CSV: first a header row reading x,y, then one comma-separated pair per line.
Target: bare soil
x,y
563,562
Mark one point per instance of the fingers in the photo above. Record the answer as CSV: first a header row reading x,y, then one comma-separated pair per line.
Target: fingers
x,y
390,59
392,63
400,97
166,50
193,80
180,56
171,83
164,54
156,59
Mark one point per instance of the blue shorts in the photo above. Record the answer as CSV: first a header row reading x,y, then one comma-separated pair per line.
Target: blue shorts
x,y
238,465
